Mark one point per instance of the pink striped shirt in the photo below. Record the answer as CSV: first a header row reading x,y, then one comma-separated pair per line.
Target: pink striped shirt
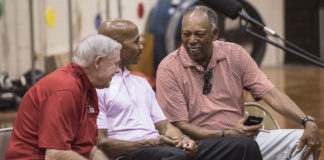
x,y
180,83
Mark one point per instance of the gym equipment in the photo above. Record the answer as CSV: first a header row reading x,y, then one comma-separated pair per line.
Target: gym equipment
x,y
12,91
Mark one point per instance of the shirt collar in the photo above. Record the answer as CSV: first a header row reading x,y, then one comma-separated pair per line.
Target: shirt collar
x,y
217,56
124,73
79,71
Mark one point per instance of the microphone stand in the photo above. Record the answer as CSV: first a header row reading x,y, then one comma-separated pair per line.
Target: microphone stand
x,y
302,53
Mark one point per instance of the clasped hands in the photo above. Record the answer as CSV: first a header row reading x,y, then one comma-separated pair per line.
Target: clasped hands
x,y
185,143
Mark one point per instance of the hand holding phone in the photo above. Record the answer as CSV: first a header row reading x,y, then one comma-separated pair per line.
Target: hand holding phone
x,y
253,120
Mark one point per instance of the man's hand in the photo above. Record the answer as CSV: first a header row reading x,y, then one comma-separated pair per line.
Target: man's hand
x,y
188,145
311,138
97,154
163,141
55,154
240,130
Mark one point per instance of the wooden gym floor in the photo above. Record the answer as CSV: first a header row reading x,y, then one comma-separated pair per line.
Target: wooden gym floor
x,y
303,84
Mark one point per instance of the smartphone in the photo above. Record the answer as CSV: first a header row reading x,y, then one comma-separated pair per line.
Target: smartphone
x,y
253,120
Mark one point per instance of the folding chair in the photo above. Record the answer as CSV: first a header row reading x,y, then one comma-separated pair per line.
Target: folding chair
x,y
4,140
256,109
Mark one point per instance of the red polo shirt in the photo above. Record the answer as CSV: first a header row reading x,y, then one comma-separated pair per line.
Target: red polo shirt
x,y
58,112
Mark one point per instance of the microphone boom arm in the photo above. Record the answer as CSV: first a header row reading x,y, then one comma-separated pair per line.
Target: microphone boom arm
x,y
255,22
310,59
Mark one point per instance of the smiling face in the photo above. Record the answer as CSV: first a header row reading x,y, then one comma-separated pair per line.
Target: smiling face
x,y
197,36
107,68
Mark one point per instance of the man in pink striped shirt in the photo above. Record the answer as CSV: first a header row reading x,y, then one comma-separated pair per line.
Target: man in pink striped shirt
x,y
200,89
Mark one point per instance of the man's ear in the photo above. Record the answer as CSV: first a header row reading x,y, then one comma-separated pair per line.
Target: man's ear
x,y
97,62
215,34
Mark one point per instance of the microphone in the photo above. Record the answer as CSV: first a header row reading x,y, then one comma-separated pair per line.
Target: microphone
x,y
229,8
233,9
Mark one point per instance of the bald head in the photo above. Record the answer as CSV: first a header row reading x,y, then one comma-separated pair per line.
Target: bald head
x,y
126,33
118,29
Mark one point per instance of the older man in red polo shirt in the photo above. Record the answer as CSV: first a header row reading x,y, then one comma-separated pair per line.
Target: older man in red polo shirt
x,y
200,89
57,116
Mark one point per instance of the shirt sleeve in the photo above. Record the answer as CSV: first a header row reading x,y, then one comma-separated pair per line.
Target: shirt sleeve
x,y
155,110
102,121
254,80
60,117
170,96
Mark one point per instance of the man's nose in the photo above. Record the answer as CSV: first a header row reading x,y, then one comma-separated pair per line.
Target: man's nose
x,y
192,39
140,45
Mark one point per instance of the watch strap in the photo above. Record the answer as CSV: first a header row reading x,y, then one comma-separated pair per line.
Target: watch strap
x,y
307,118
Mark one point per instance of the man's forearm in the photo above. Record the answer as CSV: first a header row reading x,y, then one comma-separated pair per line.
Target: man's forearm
x,y
195,132
281,103
167,129
53,154
115,148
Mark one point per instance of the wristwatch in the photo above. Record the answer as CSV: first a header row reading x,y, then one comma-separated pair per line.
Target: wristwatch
x,y
307,118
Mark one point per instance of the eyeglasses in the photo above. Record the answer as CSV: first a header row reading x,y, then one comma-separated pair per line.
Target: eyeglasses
x,y
207,85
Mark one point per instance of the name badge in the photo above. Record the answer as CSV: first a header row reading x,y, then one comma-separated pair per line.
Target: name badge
x,y
91,108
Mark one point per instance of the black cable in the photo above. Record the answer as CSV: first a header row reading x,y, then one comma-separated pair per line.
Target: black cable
x,y
298,48
306,55
282,39
315,61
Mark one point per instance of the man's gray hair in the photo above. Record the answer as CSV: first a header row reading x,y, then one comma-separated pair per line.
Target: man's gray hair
x,y
93,46
213,18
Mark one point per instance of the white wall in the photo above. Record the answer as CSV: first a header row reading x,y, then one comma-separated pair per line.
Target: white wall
x,y
129,11
272,13
15,49
14,42
15,56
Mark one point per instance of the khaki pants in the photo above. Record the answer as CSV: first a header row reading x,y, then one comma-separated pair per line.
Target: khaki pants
x,y
281,144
